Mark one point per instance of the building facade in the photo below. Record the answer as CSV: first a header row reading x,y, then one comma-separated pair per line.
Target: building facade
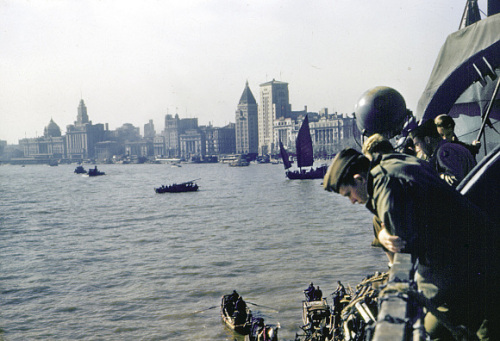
x,y
247,123
50,146
274,103
192,143
171,136
329,133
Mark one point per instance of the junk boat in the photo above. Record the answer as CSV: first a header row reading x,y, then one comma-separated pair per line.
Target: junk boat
x,y
305,156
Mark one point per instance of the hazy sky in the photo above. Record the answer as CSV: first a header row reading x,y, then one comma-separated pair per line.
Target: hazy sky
x,y
132,61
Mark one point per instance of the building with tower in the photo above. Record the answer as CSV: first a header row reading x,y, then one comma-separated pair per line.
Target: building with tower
x,y
82,137
247,123
171,136
274,104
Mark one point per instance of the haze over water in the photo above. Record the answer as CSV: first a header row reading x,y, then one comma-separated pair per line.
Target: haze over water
x,y
106,258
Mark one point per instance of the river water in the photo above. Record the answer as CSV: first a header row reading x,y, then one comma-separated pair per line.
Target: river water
x,y
106,258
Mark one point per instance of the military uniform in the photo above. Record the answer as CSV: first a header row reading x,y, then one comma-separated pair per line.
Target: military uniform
x,y
446,233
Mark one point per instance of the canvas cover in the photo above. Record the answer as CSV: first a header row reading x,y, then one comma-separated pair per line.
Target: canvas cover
x,y
465,52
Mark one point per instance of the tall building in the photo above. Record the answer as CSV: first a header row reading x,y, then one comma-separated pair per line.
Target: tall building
x,y
82,117
220,140
149,130
171,134
82,137
247,123
274,104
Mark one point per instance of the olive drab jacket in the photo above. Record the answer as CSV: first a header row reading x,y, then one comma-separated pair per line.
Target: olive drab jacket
x,y
443,229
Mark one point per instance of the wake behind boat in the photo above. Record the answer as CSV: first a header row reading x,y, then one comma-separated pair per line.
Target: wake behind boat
x,y
305,157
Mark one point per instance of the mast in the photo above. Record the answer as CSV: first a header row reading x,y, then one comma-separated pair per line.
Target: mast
x,y
471,14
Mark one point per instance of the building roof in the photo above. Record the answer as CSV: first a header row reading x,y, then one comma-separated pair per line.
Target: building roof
x,y
247,96
52,129
273,82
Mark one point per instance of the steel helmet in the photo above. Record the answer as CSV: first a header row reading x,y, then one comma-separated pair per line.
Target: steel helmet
x,y
380,110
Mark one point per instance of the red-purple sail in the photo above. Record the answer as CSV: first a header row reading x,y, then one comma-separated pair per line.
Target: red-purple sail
x,y
303,145
284,156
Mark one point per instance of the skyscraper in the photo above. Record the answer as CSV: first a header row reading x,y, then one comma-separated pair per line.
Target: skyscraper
x,y
82,137
82,116
247,126
274,103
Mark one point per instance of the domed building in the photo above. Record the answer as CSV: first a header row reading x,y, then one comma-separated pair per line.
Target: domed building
x,y
52,130
44,149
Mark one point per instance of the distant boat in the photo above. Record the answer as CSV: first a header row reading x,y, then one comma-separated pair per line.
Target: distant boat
x,y
188,186
95,172
305,157
240,162
80,170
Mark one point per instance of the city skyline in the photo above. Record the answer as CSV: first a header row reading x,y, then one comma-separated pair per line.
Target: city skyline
x,y
132,61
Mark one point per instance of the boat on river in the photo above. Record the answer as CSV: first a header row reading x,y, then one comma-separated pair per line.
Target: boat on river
x,y
260,331
80,170
317,319
188,186
239,162
235,313
95,172
305,157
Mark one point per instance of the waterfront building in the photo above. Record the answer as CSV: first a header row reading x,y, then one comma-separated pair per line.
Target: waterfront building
x,y
3,144
171,134
274,103
138,149
329,133
285,131
247,124
174,128
225,140
149,130
128,133
332,133
82,136
192,143
106,150
159,149
49,146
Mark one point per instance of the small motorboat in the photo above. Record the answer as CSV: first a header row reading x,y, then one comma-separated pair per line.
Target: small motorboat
x,y
80,170
95,172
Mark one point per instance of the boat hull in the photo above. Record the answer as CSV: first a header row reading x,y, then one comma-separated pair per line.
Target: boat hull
x,y
240,327
317,173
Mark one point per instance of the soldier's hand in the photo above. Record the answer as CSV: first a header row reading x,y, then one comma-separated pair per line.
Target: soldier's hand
x,y
390,242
